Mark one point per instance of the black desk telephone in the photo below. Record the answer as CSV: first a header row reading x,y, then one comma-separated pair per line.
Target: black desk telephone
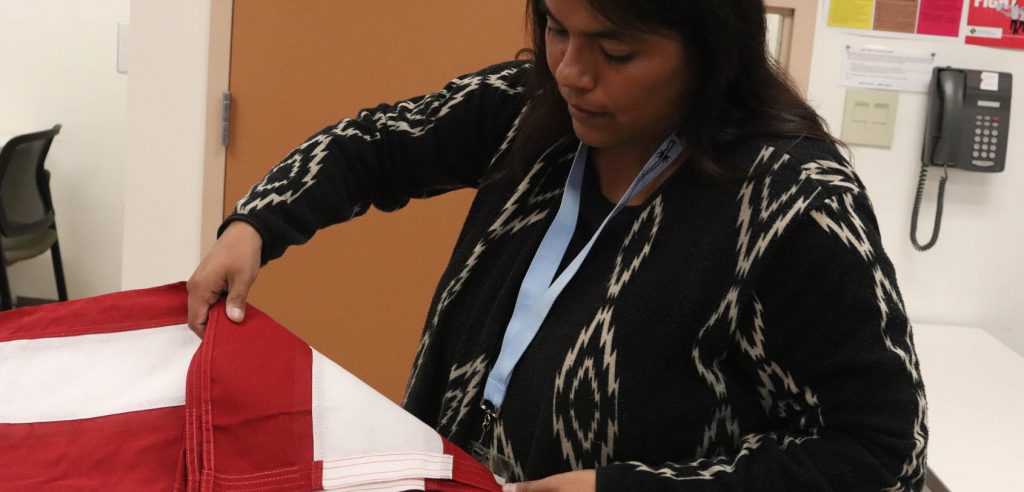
x,y
967,128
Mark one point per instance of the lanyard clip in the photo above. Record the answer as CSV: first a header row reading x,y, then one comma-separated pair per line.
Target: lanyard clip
x,y
502,467
490,414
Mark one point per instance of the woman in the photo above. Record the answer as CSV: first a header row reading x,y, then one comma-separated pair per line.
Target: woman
x,y
670,277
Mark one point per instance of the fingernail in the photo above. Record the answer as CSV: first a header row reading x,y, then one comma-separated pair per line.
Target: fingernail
x,y
509,487
235,313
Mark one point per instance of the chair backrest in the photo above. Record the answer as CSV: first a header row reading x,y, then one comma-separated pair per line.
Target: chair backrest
x,y
25,204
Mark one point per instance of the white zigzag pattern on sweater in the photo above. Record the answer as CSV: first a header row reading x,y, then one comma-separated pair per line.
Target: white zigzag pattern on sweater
x,y
775,211
414,117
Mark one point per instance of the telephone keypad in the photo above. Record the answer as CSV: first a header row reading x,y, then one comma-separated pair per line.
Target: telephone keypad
x,y
986,132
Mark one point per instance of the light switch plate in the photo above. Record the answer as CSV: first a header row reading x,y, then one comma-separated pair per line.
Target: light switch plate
x,y
869,117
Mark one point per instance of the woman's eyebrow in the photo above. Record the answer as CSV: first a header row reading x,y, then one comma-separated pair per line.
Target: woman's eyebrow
x,y
611,34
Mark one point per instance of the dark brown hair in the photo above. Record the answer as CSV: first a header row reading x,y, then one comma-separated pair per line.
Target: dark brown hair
x,y
741,92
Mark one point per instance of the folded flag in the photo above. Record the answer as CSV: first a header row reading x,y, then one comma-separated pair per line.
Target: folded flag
x,y
116,393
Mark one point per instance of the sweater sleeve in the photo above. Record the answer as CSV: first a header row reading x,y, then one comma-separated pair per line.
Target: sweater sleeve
x,y
830,353
386,155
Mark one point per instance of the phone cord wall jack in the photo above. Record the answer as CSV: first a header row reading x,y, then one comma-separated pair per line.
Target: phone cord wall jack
x,y
938,207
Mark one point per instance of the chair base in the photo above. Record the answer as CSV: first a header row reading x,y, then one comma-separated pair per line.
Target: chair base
x,y
6,296
20,302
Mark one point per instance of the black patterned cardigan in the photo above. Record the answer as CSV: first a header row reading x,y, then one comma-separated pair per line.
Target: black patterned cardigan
x,y
720,336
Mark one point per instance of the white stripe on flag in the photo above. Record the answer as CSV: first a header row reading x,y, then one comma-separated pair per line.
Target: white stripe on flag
x,y
358,432
367,470
389,486
86,376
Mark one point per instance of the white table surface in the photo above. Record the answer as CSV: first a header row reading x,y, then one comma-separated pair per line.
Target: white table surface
x,y
975,390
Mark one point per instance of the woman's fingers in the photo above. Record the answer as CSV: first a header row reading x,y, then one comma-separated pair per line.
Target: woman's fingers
x,y
200,297
238,291
197,314
231,266
574,481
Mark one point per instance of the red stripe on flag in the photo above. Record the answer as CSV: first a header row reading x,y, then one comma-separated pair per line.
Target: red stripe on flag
x,y
129,451
318,475
120,311
258,378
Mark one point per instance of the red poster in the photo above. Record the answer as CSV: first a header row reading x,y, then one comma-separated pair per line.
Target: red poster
x,y
997,23
939,17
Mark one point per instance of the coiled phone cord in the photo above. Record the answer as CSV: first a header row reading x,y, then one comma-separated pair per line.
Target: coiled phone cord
x,y
938,207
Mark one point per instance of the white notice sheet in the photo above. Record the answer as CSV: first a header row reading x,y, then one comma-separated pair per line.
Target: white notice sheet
x,y
881,67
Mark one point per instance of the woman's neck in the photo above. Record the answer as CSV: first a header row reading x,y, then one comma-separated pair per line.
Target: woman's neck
x,y
617,167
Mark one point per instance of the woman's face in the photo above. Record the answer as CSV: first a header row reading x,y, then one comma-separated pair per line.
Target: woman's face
x,y
623,88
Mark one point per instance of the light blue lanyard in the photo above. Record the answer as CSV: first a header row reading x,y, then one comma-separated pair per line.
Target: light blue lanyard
x,y
538,292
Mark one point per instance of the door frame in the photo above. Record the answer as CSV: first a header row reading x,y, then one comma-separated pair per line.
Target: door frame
x,y
799,21
215,152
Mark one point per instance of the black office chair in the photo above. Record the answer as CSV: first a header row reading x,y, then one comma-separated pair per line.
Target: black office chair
x,y
27,225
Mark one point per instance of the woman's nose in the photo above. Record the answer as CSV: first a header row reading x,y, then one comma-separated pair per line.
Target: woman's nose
x,y
574,71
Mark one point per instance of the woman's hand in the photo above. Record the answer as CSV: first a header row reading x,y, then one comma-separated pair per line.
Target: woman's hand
x,y
574,481
230,266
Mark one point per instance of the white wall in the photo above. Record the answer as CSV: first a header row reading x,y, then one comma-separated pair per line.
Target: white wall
x,y
59,67
973,275
170,102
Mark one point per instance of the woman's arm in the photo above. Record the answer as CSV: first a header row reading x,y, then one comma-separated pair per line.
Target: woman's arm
x,y
386,155
829,349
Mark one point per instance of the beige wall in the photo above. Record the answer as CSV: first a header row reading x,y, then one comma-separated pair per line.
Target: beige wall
x,y
172,138
59,67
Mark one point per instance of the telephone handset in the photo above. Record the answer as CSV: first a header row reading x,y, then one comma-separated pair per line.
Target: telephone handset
x,y
967,128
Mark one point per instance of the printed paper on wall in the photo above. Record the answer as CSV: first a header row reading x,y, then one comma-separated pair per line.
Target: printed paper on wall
x,y
997,23
898,17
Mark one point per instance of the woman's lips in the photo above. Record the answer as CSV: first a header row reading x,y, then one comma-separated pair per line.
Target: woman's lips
x,y
581,113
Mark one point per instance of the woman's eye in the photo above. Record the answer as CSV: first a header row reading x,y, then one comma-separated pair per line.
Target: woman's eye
x,y
616,58
557,32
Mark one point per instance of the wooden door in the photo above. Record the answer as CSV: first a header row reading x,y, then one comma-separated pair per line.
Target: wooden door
x,y
358,292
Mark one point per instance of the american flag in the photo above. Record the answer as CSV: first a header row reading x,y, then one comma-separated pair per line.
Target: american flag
x,y
116,393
